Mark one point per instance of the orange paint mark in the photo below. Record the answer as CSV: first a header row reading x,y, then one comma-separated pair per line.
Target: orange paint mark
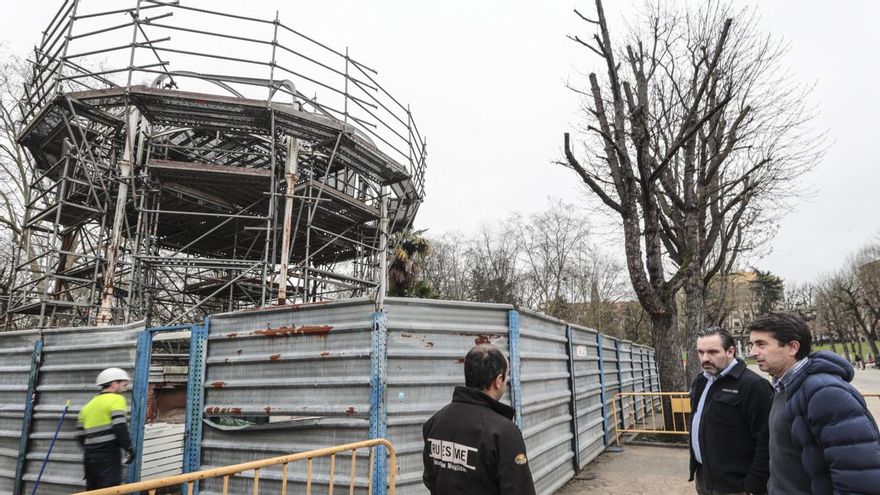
x,y
274,357
218,384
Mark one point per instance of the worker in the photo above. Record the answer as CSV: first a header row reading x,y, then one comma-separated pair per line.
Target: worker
x,y
103,431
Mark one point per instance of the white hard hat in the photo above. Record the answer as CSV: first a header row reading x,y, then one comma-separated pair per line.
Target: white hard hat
x,y
111,375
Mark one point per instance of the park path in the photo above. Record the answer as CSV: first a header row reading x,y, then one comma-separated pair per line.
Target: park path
x,y
638,470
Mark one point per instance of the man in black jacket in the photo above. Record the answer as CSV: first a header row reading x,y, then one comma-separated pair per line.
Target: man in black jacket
x,y
730,406
472,445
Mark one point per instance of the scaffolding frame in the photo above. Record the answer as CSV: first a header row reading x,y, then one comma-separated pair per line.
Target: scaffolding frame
x,y
181,168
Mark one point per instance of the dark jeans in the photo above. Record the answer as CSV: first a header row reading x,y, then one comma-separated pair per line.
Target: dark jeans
x,y
103,468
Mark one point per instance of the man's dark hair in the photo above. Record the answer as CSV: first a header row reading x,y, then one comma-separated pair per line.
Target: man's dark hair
x,y
482,364
726,339
785,327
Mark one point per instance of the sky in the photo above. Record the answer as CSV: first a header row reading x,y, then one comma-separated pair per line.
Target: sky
x,y
486,82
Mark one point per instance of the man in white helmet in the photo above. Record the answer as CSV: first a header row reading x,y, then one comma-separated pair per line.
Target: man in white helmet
x,y
104,432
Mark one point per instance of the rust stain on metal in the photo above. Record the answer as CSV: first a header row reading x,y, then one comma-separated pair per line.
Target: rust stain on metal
x,y
222,410
481,339
274,357
239,352
351,411
267,409
429,344
291,331
218,384
325,353
460,360
232,335
405,335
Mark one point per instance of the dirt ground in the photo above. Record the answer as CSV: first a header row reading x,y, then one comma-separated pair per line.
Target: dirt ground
x,y
638,470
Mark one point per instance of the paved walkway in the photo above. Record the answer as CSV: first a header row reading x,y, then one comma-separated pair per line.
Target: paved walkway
x,y
638,470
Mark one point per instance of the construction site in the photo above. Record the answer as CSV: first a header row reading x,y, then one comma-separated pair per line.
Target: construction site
x,y
211,201
181,171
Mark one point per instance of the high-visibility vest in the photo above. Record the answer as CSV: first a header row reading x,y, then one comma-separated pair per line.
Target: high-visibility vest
x,y
98,418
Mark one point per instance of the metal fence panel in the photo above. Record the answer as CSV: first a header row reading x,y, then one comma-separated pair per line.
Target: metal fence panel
x,y
72,357
16,352
286,380
625,372
546,400
591,436
163,450
612,379
427,342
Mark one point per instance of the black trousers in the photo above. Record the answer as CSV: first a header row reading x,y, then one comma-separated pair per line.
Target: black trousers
x,y
103,468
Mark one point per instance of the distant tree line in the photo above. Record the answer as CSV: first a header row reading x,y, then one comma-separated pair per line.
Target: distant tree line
x,y
547,261
844,306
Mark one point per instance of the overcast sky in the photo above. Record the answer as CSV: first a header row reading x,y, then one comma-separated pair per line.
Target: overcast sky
x,y
486,83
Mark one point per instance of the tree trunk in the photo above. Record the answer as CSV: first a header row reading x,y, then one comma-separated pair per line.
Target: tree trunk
x,y
667,348
694,320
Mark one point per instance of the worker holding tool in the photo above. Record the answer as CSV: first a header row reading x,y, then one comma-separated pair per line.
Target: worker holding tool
x,y
104,432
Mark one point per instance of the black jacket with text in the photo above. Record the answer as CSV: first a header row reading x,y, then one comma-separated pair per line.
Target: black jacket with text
x,y
473,447
734,436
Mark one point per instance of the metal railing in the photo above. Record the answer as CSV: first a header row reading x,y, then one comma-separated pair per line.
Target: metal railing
x,y
190,479
642,412
178,42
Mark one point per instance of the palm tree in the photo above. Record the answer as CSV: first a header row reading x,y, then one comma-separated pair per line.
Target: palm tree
x,y
408,251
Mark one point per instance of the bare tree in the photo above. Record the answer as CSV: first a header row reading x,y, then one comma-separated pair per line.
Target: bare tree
x,y
445,268
493,266
16,176
552,242
693,139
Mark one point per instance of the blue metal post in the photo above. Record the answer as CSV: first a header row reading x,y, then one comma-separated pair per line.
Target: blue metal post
x,y
620,382
378,413
515,381
195,398
573,409
36,358
139,391
602,395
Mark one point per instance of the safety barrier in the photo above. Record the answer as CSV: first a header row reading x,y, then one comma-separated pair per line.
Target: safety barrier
x,y
642,412
645,412
190,479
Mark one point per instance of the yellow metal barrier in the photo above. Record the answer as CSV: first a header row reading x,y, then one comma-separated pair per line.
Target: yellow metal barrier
x,y
644,413
649,405
225,472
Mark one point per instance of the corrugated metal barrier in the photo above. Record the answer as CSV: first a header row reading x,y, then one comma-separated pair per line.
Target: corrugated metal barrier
x,y
19,352
41,371
295,378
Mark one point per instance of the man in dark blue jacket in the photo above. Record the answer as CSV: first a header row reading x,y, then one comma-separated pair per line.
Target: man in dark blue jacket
x,y
823,440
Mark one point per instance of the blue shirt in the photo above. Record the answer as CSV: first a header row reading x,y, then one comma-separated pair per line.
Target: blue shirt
x,y
695,434
779,383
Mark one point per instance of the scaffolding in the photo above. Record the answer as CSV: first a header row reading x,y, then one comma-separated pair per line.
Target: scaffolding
x,y
184,164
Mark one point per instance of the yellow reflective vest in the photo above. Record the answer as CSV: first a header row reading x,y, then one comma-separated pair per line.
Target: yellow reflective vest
x,y
102,423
